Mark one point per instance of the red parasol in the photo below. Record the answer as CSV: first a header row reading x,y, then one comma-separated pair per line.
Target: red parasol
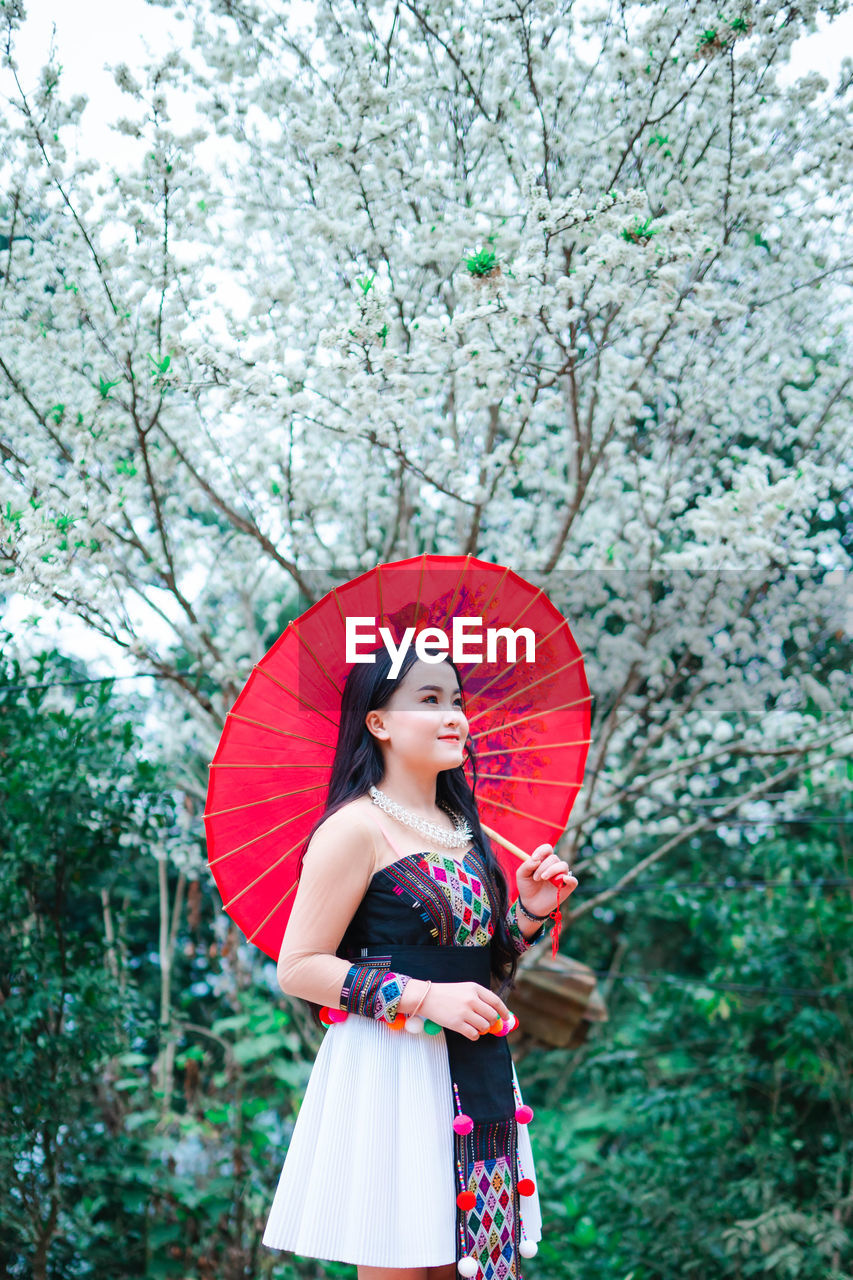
x,y
529,725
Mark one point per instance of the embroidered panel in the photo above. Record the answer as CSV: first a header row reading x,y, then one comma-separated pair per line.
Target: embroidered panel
x,y
486,1164
491,1222
453,899
468,899
373,989
519,941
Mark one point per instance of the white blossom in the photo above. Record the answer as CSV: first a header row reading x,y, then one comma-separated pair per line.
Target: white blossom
x,y
379,301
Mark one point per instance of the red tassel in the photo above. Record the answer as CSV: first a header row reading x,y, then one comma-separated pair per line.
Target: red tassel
x,y
557,917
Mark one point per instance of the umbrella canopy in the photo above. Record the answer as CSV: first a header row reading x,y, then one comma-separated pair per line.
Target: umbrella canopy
x,y
529,722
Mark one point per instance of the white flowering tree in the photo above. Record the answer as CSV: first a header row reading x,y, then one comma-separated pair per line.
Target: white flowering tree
x,y
562,286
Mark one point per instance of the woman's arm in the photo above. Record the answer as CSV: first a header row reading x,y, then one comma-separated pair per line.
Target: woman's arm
x,y
336,871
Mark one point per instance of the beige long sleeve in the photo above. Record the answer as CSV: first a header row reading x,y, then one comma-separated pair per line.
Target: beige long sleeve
x,y
336,871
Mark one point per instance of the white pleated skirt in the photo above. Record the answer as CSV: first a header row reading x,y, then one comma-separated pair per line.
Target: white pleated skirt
x,y
369,1173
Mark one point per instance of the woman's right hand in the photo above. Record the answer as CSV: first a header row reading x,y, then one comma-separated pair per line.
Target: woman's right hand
x,y
465,1007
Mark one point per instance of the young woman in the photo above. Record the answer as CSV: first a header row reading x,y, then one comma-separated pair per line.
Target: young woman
x,y
410,1155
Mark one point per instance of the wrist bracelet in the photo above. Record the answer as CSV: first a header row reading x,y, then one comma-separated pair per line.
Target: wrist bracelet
x,y
529,914
420,1002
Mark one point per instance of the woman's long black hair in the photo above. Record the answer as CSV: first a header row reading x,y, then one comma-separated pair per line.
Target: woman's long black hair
x,y
358,765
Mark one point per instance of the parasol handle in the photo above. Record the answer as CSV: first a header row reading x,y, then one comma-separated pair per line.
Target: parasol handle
x,y
502,840
508,845
556,914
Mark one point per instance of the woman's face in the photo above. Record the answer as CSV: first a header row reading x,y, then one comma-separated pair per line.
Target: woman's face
x,y
423,722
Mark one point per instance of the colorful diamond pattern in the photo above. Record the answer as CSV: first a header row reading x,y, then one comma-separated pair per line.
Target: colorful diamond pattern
x,y
491,1221
469,902
388,995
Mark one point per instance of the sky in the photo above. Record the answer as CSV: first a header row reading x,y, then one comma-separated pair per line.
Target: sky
x,y
89,36
90,33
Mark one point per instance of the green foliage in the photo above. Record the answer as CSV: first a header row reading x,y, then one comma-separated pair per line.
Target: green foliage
x,y
160,367
640,232
70,787
92,1153
703,1131
482,263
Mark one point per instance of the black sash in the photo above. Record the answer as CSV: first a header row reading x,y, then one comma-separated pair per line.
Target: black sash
x,y
481,1068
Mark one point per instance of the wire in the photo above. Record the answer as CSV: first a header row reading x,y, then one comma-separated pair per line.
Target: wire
x,y
703,982
793,821
821,883
132,675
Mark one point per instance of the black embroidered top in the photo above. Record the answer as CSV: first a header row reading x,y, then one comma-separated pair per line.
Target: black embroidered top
x,y
420,899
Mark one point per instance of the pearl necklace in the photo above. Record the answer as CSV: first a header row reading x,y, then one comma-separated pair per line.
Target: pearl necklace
x,y
460,838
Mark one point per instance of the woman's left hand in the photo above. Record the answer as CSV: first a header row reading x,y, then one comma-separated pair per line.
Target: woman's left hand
x,y
541,878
